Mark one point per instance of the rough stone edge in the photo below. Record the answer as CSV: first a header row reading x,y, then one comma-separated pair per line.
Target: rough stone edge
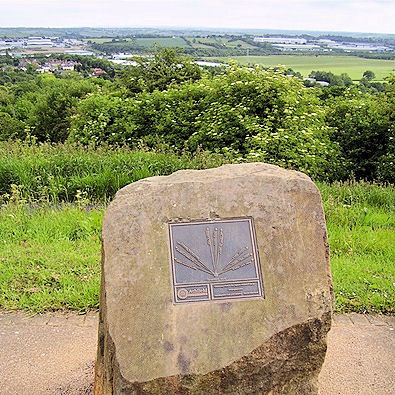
x,y
289,362
219,172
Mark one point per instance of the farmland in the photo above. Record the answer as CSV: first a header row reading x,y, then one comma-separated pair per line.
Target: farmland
x,y
353,66
165,42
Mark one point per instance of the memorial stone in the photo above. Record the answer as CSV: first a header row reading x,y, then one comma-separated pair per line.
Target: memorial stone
x,y
214,282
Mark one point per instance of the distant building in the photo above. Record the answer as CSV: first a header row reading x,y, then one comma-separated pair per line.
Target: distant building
x,y
44,69
204,63
323,83
281,40
79,52
297,47
124,62
346,46
9,44
38,42
57,65
314,81
97,71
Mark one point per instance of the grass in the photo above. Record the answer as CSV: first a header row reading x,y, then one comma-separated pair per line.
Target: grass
x,y
361,229
49,258
223,41
161,41
351,65
55,173
100,40
50,255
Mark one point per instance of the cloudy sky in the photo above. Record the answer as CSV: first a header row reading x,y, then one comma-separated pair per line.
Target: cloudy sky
x,y
376,16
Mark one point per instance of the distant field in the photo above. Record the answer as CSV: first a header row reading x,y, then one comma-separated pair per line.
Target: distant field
x,y
196,43
163,42
203,42
103,40
146,42
351,65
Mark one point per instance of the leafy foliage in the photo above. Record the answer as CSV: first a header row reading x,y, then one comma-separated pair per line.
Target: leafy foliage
x,y
166,68
369,75
334,80
39,173
253,114
42,106
364,129
331,133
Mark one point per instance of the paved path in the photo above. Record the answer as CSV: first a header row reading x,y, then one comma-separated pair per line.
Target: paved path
x,y
54,354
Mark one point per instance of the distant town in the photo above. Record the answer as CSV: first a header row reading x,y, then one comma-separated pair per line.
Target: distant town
x,y
302,44
21,46
97,42
59,50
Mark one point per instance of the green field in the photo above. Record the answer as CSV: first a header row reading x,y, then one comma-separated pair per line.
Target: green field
x,y
163,42
100,40
145,42
221,41
351,65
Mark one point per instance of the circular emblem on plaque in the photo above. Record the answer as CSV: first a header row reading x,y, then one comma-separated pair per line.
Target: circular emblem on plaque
x,y
182,293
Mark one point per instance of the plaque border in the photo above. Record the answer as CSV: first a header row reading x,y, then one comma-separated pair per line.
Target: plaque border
x,y
258,267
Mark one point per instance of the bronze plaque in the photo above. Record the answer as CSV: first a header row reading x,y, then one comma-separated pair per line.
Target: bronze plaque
x,y
214,260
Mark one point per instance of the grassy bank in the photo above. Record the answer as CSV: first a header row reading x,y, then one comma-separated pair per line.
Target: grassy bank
x,y
351,65
50,255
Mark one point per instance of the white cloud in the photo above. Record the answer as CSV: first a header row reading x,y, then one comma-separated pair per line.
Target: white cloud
x,y
334,15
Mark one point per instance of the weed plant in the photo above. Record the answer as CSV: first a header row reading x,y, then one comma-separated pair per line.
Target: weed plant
x,y
49,257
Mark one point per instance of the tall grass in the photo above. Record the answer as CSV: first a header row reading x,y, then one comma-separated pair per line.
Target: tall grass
x,y
361,228
50,255
61,173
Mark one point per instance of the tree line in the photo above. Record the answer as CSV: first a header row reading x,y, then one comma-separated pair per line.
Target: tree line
x,y
338,132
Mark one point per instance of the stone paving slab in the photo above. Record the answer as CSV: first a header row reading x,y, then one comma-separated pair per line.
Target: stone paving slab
x,y
54,354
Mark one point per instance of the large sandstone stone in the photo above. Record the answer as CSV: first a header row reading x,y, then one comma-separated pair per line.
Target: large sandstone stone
x,y
276,344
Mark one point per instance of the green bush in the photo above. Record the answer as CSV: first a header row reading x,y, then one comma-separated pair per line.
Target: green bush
x,y
166,68
43,106
363,126
252,114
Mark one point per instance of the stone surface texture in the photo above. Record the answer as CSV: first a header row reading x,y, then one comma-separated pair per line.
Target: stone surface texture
x,y
148,345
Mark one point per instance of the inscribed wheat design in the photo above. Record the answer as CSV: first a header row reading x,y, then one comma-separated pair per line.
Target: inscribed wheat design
x,y
214,260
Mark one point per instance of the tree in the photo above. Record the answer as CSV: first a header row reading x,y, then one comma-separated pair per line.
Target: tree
x,y
363,127
334,80
166,68
10,128
369,75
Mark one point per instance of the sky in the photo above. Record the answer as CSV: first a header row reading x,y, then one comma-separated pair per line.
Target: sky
x,y
368,16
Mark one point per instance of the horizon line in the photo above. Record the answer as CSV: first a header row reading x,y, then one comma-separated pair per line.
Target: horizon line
x,y
168,27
